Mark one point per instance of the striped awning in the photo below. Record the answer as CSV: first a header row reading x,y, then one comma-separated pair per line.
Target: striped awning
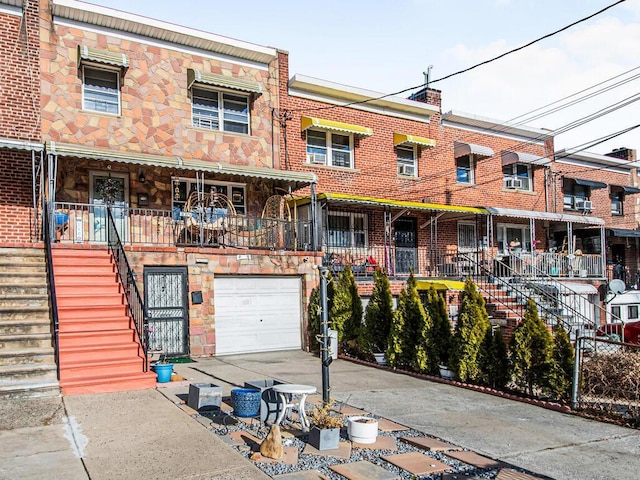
x,y
509,158
233,83
97,55
403,139
460,149
21,145
323,124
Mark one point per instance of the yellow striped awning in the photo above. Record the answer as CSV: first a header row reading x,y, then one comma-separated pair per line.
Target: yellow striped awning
x,y
439,284
233,83
321,123
97,55
403,139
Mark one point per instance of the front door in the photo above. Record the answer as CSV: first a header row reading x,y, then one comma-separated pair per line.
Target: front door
x,y
110,189
166,303
406,245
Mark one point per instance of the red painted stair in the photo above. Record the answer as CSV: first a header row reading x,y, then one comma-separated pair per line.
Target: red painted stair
x,y
98,343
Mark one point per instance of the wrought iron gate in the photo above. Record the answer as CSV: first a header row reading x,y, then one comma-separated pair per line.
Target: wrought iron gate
x,y
165,290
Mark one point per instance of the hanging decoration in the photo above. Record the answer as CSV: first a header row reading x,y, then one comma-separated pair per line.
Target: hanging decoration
x,y
109,189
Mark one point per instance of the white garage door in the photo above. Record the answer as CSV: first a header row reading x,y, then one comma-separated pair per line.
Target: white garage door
x,y
257,314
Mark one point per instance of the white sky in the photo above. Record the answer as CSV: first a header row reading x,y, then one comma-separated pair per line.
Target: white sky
x,y
386,45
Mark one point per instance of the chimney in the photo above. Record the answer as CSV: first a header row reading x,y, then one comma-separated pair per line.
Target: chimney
x,y
623,153
428,95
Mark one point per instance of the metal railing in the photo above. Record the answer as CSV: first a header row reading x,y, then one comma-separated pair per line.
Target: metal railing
x,y
80,222
52,286
557,264
135,304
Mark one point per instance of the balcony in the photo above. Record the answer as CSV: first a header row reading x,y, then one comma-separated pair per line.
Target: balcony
x,y
86,223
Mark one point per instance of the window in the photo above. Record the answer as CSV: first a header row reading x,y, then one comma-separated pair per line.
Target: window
x,y
466,237
464,169
617,201
508,233
615,314
346,230
407,164
517,176
216,110
575,196
101,90
181,188
327,148
632,312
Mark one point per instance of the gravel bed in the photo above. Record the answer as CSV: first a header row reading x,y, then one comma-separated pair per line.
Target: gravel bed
x,y
322,463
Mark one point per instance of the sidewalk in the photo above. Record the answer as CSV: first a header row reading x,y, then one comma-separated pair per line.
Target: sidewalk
x,y
142,434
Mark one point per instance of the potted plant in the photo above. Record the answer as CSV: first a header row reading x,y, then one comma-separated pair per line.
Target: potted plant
x,y
362,429
163,369
325,428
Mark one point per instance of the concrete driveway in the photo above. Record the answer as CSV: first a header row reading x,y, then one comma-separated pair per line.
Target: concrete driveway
x,y
558,445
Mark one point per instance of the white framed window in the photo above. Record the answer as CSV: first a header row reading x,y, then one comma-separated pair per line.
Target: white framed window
x,y
509,234
465,170
329,148
217,110
575,196
346,229
617,202
632,312
101,90
182,187
517,176
407,161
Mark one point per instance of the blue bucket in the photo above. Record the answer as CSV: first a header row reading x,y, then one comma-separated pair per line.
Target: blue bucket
x,y
246,402
164,371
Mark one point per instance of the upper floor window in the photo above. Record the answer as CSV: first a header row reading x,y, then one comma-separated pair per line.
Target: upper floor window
x,y
407,161
216,110
576,197
328,148
464,169
617,202
517,176
346,229
101,90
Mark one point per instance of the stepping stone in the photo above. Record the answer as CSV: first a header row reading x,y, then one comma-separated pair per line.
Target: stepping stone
x,y
430,443
187,409
289,457
508,474
381,443
475,459
385,425
343,450
417,463
304,475
314,399
246,438
458,476
363,470
349,410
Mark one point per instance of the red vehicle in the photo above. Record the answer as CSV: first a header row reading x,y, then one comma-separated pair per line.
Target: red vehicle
x,y
631,331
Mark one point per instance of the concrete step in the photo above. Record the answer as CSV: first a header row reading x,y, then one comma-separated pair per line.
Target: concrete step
x,y
91,311
105,367
22,356
19,278
29,389
97,337
88,289
39,372
32,340
30,288
92,353
23,265
26,326
109,383
10,252
15,313
114,299
90,324
30,300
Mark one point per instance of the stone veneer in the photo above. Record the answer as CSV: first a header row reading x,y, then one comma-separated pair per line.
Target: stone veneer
x,y
200,276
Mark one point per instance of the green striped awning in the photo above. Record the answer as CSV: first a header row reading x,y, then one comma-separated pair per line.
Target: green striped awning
x,y
233,83
97,55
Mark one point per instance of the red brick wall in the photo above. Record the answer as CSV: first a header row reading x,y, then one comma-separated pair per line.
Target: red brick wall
x,y
20,114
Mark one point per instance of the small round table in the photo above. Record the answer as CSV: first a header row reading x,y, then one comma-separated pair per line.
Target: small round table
x,y
288,394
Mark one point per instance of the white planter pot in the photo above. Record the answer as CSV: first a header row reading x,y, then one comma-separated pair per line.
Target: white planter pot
x,y
445,372
362,429
380,360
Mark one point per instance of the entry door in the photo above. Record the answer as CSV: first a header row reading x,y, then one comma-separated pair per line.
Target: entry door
x,y
406,245
166,304
110,188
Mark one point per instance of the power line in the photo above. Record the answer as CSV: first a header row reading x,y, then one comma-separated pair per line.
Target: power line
x,y
423,85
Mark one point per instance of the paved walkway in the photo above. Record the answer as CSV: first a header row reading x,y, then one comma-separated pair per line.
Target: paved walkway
x,y
143,435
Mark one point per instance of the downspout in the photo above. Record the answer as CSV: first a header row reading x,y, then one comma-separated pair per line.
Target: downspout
x,y
314,218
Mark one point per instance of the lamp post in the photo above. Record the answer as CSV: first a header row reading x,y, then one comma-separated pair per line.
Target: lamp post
x,y
325,355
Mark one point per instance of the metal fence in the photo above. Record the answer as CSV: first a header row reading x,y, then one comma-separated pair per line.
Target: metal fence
x,y
608,380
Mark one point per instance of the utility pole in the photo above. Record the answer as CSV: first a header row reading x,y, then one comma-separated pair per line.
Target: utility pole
x,y
325,354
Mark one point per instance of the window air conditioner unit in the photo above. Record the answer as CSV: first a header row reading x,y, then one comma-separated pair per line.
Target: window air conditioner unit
x,y
407,170
584,205
513,183
317,158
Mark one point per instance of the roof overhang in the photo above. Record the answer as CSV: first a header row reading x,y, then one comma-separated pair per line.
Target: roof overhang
x,y
403,139
578,288
588,183
623,233
167,32
627,189
402,204
596,159
439,284
460,149
79,151
233,83
494,127
21,145
323,124
509,158
553,217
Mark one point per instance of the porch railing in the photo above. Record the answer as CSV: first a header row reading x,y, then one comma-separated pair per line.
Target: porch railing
x,y
79,223
128,278
52,285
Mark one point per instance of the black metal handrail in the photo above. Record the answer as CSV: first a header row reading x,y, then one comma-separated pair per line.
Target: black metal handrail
x,y
128,279
52,287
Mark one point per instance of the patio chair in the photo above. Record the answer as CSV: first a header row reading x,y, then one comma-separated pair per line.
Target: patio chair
x,y
207,215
